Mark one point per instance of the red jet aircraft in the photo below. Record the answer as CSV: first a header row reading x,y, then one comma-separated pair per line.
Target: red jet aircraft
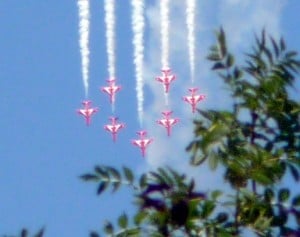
x,y
87,111
166,78
114,127
194,99
168,122
143,142
111,89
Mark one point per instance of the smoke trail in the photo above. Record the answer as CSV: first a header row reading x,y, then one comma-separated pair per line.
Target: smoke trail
x,y
109,8
164,31
190,22
84,23
138,34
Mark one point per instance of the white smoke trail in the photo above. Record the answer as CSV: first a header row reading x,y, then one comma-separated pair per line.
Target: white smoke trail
x,y
109,8
138,24
190,22
164,31
84,24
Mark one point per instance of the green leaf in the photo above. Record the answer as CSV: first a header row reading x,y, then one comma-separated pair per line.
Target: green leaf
x,y
216,194
282,44
275,47
222,42
291,54
101,172
222,217
94,234
207,208
296,201
140,217
263,39
143,181
224,233
156,234
214,48
197,160
128,175
102,186
114,173
294,172
89,177
218,66
123,221
269,195
213,160
165,175
213,57
261,178
229,61
237,73
116,184
269,55
283,194
108,228
24,233
179,178
134,232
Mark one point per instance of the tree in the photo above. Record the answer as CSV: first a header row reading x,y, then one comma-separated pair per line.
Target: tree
x,y
256,141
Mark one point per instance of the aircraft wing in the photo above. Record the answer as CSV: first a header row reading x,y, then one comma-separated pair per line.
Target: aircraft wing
x,y
109,127
137,143
160,79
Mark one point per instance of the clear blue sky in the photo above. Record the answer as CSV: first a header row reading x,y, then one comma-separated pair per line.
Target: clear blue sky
x,y
44,144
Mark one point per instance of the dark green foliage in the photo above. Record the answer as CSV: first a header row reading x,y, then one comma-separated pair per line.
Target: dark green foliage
x,y
108,228
94,234
255,149
107,175
24,233
123,221
261,149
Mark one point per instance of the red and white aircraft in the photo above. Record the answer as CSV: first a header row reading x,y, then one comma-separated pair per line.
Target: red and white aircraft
x,y
142,142
114,127
87,111
166,78
194,99
168,122
111,89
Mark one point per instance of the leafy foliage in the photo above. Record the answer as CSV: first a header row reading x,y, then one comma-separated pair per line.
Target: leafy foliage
x,y
256,142
108,175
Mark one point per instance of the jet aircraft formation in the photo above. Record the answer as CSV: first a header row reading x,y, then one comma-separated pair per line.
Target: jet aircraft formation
x,y
167,121
166,79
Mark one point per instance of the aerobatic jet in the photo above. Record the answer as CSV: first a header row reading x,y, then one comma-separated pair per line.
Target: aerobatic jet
x,y
168,122
87,111
194,99
114,127
166,78
142,142
111,89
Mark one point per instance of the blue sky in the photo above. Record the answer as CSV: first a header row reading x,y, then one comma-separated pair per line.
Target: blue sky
x,y
44,144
